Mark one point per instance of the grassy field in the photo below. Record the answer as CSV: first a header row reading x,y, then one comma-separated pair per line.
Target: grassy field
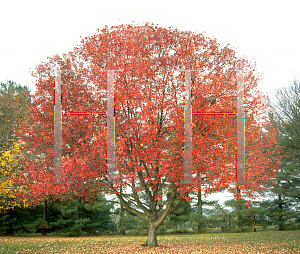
x,y
259,242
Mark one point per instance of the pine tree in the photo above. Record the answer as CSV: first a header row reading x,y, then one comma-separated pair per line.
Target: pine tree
x,y
285,194
180,215
83,218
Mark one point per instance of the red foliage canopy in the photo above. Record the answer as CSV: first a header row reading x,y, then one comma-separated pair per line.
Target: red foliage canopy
x,y
149,123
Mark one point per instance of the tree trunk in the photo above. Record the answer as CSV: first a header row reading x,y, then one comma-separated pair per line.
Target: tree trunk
x,y
121,223
79,209
200,213
152,237
44,230
240,217
122,230
10,230
280,206
229,223
254,223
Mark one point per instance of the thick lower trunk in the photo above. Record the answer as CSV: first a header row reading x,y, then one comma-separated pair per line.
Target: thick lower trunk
x,y
152,237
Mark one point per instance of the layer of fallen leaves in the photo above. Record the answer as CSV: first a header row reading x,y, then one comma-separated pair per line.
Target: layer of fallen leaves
x,y
259,242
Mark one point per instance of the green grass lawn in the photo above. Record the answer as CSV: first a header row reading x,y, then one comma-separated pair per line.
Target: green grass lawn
x,y
259,242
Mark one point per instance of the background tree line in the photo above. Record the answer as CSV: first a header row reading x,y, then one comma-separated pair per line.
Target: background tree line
x,y
280,208
74,217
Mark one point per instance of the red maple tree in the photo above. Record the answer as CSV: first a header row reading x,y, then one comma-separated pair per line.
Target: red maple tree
x,y
149,120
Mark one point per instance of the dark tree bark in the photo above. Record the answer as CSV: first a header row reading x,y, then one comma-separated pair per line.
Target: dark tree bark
x,y
280,206
152,237
239,208
200,212
10,230
44,230
152,213
122,230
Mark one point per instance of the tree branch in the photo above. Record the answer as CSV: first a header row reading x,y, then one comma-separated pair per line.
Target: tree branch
x,y
139,203
169,207
130,209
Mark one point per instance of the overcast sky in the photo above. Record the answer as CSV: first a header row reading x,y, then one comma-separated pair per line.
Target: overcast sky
x,y
263,31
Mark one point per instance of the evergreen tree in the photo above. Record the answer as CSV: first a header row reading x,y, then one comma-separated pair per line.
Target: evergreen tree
x,y
199,218
132,224
242,218
286,110
84,218
15,221
285,194
180,215
217,217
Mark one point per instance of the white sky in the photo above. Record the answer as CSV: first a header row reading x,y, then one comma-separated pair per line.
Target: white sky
x,y
265,31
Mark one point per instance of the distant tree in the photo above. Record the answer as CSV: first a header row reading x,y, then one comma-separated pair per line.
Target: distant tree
x,y
285,195
14,110
14,221
243,217
217,216
180,215
286,112
9,167
200,212
132,224
80,217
